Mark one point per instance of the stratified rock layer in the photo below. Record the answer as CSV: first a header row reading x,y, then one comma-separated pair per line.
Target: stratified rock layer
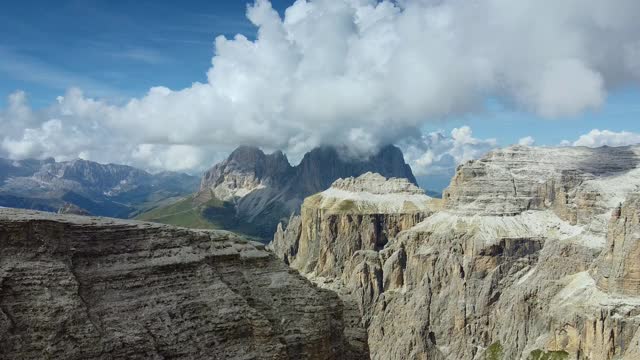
x,y
533,255
78,288
354,214
342,227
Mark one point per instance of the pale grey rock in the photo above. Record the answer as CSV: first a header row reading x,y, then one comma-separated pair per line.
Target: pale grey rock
x,y
618,270
77,287
531,253
336,238
577,183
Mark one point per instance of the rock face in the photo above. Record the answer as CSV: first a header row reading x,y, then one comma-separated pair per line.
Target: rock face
x,y
354,214
576,183
68,208
340,229
531,255
266,189
618,270
107,190
80,288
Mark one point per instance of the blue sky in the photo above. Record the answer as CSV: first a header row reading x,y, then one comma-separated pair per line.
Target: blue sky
x,y
117,50
620,112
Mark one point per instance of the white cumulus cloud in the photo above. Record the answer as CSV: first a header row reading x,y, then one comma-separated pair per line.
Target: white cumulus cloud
x,y
361,73
596,138
527,141
438,153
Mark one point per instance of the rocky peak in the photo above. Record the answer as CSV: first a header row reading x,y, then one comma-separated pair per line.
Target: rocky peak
x,y
321,166
246,169
530,241
359,213
102,189
99,177
266,189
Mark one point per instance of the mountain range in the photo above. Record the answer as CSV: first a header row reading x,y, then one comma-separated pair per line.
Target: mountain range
x,y
251,192
532,253
88,187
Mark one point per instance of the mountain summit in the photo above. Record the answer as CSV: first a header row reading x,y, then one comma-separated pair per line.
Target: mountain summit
x,y
252,192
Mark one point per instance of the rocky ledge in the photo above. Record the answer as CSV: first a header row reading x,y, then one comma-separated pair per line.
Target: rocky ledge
x,y
78,287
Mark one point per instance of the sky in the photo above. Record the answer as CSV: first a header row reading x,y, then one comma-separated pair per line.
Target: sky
x,y
167,85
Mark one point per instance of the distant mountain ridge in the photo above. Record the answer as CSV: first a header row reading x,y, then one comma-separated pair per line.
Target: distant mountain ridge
x,y
252,192
98,189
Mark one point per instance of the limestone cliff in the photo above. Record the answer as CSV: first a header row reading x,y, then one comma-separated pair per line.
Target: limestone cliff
x,y
76,287
354,214
532,256
339,227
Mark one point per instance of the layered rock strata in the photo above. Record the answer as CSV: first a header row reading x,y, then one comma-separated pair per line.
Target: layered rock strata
x,y
532,256
340,229
75,287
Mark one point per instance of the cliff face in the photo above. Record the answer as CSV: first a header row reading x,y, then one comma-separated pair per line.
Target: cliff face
x,y
618,269
531,256
78,288
354,214
340,229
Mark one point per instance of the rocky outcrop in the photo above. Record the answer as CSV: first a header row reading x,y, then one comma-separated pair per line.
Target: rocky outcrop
x,y
354,214
577,183
245,170
68,208
336,239
265,189
618,270
529,257
80,288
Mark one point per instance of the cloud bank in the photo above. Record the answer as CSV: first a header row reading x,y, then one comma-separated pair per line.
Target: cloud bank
x,y
358,72
597,138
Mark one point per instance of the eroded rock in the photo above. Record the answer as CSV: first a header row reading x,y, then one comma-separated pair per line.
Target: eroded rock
x,y
78,288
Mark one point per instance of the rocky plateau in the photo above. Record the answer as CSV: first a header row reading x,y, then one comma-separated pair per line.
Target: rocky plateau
x,y
532,253
76,287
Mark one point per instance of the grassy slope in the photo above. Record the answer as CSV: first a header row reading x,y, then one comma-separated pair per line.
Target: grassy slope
x,y
213,214
183,213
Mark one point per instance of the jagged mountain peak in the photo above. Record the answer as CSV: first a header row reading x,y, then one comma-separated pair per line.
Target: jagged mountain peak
x,y
264,189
